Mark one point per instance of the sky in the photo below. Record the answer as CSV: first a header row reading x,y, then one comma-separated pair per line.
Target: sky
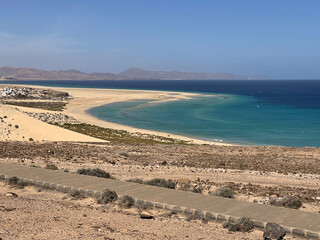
x,y
279,38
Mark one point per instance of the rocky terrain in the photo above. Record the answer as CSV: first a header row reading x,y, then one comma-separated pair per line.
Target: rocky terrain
x,y
14,92
53,118
264,159
252,182
40,214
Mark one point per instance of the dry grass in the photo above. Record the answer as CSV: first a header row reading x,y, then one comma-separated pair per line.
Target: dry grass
x,y
52,106
120,136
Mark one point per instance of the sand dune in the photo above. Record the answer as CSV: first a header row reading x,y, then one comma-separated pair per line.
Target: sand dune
x,y
17,126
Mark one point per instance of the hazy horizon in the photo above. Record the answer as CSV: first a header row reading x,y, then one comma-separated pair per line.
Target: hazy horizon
x,y
275,38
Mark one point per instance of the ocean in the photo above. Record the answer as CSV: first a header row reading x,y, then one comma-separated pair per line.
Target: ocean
x,y
264,112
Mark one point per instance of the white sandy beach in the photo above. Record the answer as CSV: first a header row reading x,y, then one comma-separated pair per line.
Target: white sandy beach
x,y
86,98
17,126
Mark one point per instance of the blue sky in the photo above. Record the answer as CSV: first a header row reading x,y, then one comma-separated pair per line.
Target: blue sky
x,y
280,38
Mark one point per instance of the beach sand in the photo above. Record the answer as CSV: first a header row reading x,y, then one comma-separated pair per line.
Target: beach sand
x,y
17,126
86,98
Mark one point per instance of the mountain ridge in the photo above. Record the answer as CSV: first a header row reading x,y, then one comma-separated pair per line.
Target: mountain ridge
x,y
134,73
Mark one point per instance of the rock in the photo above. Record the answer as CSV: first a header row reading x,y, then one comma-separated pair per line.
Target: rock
x,y
164,163
11,194
146,215
273,231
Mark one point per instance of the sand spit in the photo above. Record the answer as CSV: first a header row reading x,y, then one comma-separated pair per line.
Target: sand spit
x,y
86,98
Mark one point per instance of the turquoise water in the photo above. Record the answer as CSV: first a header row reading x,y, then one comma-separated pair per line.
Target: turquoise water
x,y
224,117
268,112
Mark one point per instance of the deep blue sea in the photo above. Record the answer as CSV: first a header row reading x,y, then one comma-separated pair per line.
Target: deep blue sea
x,y
268,112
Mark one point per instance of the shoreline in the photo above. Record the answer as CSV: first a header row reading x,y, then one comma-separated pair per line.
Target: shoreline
x,y
78,109
87,98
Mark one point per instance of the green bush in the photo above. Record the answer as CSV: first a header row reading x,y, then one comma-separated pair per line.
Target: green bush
x,y
288,202
96,172
223,192
245,224
108,196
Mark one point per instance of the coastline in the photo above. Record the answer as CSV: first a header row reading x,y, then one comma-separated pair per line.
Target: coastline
x,y
87,98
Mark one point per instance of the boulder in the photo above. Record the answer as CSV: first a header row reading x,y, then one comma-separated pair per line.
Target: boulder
x,y
273,231
146,215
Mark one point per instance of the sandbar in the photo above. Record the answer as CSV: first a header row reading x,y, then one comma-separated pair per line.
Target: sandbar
x,y
86,98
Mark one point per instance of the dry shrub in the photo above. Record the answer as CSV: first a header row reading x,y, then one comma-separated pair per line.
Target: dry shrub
x,y
108,196
51,166
245,224
77,194
126,201
96,172
288,202
223,192
160,182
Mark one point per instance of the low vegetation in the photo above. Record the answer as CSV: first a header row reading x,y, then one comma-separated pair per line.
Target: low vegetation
x,y
77,195
121,136
126,201
34,166
96,172
13,180
158,182
223,192
189,187
51,166
108,196
16,182
136,180
287,201
245,224
52,106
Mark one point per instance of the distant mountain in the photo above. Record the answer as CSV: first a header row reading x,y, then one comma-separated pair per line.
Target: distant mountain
x,y
37,74
129,74
175,75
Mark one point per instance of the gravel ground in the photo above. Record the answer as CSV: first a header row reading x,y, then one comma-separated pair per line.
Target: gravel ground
x,y
253,172
269,159
52,215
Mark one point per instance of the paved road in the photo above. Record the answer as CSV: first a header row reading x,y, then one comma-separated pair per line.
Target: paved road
x,y
294,221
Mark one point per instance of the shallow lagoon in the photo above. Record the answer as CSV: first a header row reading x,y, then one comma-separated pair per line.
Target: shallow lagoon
x,y
223,117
